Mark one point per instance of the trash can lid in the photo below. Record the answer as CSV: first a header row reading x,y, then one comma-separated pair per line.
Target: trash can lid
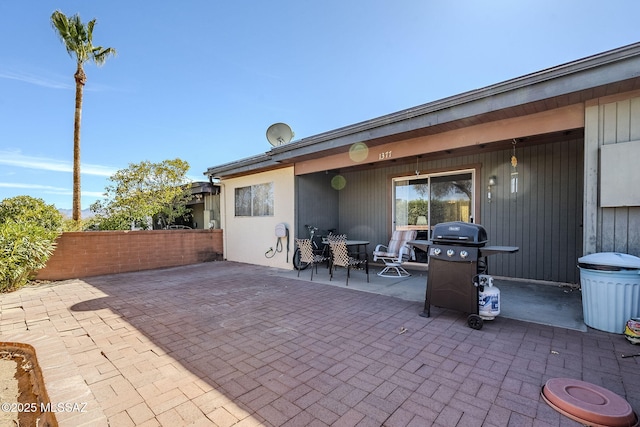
x,y
609,259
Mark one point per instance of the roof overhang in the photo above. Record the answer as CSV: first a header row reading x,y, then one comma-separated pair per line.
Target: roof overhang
x,y
243,166
604,74
200,187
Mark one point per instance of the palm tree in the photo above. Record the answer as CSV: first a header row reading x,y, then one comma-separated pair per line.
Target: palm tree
x,y
78,40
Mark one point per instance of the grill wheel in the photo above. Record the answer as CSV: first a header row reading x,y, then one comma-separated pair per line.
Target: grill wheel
x,y
475,322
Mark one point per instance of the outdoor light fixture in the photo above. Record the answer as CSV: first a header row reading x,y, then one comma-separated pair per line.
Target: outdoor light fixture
x,y
492,182
514,171
514,182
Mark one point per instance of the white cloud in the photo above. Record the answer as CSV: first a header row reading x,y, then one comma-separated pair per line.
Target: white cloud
x,y
35,80
32,186
50,81
17,159
49,189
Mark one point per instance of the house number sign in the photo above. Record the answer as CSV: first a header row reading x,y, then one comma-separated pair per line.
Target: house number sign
x,y
384,155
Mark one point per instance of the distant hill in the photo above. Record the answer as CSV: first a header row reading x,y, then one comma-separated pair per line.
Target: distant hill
x,y
86,213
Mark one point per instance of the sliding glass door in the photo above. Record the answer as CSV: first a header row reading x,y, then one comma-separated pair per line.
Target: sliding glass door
x,y
422,201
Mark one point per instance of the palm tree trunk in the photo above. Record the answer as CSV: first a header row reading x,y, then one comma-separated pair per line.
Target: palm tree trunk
x,y
80,81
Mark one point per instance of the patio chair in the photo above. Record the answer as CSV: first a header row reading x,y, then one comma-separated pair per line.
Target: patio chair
x,y
308,256
395,254
340,257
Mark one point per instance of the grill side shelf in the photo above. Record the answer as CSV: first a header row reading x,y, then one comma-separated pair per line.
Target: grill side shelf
x,y
492,250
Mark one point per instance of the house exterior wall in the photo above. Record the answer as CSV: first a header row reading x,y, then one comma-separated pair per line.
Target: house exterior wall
x,y
317,203
544,219
250,237
567,114
610,120
197,213
211,212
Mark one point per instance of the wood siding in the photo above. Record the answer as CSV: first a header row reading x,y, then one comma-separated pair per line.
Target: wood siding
x,y
544,219
316,203
614,229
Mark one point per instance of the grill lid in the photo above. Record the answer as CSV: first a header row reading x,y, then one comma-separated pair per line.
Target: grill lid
x,y
459,232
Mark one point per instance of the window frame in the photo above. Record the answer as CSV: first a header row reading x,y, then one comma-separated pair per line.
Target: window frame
x,y
256,200
428,177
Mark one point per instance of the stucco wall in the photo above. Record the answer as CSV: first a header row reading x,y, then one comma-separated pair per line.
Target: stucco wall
x,y
84,254
248,238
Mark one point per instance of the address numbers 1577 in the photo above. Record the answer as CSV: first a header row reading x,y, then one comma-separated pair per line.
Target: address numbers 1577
x,y
384,155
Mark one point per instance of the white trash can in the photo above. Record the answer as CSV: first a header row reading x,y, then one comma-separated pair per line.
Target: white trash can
x,y
610,284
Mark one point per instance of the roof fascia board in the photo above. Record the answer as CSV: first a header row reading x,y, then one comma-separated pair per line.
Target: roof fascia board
x,y
244,165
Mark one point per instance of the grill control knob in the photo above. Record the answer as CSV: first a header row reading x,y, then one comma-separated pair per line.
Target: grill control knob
x,y
437,251
464,254
450,252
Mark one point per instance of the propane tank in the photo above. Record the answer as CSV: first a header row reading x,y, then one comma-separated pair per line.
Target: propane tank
x,y
488,298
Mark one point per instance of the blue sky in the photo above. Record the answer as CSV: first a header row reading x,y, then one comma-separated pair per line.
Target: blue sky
x,y
202,80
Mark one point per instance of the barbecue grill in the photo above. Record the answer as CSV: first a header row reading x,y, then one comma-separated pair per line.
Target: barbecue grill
x,y
457,255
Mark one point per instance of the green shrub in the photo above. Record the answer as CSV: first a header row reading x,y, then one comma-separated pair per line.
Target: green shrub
x,y
24,249
31,210
28,229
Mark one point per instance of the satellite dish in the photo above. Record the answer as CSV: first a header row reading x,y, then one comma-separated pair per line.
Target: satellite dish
x,y
279,134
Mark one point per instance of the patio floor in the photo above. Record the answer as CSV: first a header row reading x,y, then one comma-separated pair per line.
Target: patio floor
x,y
546,304
223,343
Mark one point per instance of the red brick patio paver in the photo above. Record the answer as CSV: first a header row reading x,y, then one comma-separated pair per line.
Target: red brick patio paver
x,y
229,344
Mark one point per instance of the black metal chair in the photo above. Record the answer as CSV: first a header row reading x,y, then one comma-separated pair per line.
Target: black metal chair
x,y
308,256
340,257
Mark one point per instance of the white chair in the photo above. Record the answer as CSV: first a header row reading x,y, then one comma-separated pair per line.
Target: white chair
x,y
395,254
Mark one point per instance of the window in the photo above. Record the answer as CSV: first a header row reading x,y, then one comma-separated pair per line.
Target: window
x,y
256,200
426,200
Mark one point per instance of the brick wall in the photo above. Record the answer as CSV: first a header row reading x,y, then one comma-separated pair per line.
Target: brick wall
x,y
93,253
